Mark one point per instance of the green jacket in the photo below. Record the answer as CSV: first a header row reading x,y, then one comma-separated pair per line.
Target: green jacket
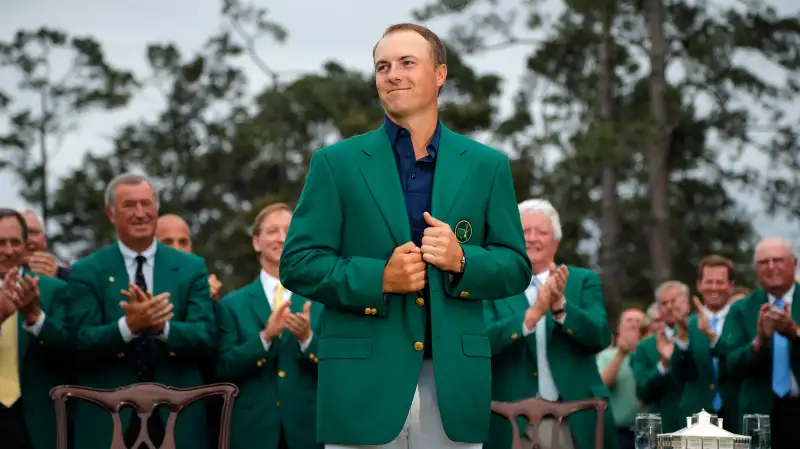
x,y
753,370
277,388
44,363
94,295
571,349
350,217
694,369
659,393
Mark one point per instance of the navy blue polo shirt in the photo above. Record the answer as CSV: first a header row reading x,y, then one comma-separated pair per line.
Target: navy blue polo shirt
x,y
416,180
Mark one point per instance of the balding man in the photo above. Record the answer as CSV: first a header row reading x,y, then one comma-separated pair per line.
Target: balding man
x,y
38,258
173,231
761,343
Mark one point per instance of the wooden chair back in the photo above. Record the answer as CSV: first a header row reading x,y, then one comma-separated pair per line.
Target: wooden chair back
x,y
144,398
535,409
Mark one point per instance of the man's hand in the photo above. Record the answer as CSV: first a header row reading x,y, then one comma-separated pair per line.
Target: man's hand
x,y
703,323
276,322
43,263
299,324
558,282
10,299
665,347
148,315
214,285
627,340
440,247
405,272
31,308
783,322
764,328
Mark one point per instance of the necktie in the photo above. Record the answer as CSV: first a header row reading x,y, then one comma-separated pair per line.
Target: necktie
x,y
144,362
547,385
278,300
781,374
9,362
716,403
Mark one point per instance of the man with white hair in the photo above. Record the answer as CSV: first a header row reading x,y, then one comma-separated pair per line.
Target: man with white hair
x,y
544,341
657,386
39,259
760,343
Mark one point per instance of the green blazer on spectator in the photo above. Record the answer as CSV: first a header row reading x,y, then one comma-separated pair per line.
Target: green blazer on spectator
x,y
695,371
753,370
106,360
277,388
659,393
571,350
44,362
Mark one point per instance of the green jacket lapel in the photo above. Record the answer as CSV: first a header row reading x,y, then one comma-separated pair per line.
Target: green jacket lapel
x,y
259,303
451,172
379,169
115,279
796,303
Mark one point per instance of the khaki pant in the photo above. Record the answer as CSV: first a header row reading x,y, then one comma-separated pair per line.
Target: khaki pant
x,y
545,432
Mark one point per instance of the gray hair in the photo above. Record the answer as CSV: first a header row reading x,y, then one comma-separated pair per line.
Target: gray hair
x,y
545,208
776,241
27,210
669,285
126,179
651,311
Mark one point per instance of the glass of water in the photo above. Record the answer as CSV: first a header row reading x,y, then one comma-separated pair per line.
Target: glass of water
x,y
757,427
646,430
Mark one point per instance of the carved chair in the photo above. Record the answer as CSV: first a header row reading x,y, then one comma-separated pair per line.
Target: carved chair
x,y
535,409
144,398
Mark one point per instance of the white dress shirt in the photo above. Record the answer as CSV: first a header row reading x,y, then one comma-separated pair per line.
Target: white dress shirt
x,y
547,384
129,258
794,389
270,285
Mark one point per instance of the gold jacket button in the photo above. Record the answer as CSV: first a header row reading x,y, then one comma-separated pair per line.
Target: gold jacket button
x,y
514,336
420,301
570,331
373,311
464,294
281,373
534,374
121,355
171,354
418,346
711,387
260,363
277,403
367,311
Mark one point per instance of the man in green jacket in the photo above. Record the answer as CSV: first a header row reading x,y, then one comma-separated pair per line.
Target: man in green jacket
x,y
140,311
657,386
544,341
705,383
400,233
268,348
34,344
760,343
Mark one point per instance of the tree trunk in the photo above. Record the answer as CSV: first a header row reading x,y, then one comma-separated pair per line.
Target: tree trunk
x,y
658,174
610,220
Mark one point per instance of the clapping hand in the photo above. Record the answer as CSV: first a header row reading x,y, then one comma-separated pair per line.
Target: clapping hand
x,y
145,312
276,322
665,346
299,324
